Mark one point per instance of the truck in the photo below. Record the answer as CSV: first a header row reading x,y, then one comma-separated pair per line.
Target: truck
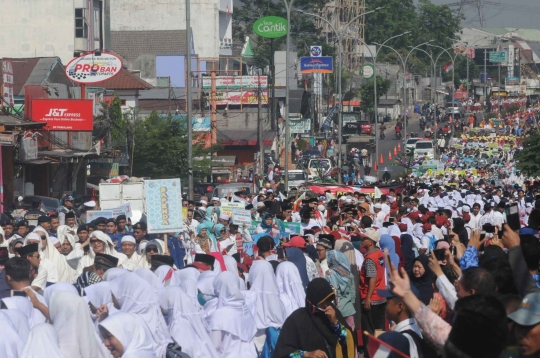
x,y
112,195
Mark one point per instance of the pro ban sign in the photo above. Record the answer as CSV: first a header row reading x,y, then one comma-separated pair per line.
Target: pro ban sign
x,y
270,27
90,68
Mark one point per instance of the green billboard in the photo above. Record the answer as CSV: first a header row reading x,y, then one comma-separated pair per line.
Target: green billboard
x,y
270,27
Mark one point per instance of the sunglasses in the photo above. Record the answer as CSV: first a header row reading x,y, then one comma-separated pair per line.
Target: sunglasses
x,y
152,249
43,237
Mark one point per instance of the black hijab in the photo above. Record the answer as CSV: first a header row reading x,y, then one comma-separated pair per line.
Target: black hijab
x,y
308,329
407,250
424,283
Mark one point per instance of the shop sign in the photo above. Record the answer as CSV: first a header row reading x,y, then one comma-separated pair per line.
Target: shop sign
x,y
270,27
89,68
64,114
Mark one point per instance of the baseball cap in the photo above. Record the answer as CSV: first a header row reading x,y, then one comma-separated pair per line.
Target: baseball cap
x,y
296,241
68,198
528,313
372,234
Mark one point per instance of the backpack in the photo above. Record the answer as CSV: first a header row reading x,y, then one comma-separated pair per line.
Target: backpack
x,y
272,335
425,348
432,240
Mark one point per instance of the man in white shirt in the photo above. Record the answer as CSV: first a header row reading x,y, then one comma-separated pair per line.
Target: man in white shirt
x,y
423,243
498,217
475,216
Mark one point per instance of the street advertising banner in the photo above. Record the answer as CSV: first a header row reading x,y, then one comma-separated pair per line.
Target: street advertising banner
x,y
92,215
64,114
236,82
163,205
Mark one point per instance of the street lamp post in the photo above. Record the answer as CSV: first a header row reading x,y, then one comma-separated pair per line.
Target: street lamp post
x,y
339,37
432,73
288,6
453,59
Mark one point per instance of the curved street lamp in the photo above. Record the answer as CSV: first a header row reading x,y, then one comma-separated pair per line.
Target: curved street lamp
x,y
453,59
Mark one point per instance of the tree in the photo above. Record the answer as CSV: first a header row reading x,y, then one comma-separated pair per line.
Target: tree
x,y
367,93
527,159
111,118
161,149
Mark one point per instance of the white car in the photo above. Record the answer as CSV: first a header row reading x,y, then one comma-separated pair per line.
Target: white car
x,y
410,144
424,148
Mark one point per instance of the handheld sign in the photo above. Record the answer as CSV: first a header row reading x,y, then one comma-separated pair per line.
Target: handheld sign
x,y
164,205
241,216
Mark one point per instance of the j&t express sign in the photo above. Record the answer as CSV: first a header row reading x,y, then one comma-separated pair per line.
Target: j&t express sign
x,y
64,114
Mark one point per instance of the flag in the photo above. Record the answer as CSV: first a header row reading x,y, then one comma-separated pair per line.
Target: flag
x,y
380,349
378,193
449,66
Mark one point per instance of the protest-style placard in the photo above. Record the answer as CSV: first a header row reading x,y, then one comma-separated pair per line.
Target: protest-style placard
x,y
227,208
164,205
92,215
248,248
253,226
241,217
292,227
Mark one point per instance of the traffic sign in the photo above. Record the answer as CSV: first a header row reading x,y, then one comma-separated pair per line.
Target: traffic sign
x,y
495,56
315,51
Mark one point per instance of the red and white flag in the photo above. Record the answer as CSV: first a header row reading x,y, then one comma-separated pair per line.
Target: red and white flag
x,y
449,66
379,349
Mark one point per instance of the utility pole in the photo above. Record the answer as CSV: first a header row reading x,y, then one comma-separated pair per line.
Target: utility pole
x,y
485,73
169,96
213,102
260,124
273,125
189,122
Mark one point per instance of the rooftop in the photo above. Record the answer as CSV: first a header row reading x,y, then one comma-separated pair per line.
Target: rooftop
x,y
132,44
125,80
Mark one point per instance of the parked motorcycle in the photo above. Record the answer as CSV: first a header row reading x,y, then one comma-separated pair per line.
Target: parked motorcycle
x,y
422,123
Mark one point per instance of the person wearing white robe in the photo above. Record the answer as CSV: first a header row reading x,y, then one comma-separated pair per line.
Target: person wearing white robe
x,y
24,305
108,248
131,332
231,264
291,290
11,344
270,310
97,295
135,295
47,269
50,252
166,276
132,262
65,233
42,342
232,325
189,286
144,262
151,279
186,323
19,322
76,333
113,273
58,287
188,272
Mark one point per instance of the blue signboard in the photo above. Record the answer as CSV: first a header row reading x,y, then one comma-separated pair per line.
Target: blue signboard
x,y
323,64
163,205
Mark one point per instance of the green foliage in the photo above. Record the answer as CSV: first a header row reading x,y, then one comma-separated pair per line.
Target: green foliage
x,y
460,69
112,117
367,93
161,150
303,30
527,159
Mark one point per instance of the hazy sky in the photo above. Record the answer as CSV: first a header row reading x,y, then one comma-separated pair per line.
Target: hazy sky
x,y
508,13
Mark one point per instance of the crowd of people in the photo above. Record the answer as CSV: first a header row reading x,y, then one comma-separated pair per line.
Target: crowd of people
x,y
443,264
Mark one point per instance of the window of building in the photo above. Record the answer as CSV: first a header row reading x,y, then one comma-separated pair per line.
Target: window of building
x,y
80,24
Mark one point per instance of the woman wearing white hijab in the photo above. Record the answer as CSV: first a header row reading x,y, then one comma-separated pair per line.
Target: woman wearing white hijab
x,y
42,342
11,344
166,276
135,295
188,272
291,290
270,311
19,322
70,317
232,324
97,295
131,336
186,323
47,271
189,286
108,248
50,252
58,287
230,263
113,273
151,278
24,305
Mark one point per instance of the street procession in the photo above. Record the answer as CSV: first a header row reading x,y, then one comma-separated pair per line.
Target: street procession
x,y
247,179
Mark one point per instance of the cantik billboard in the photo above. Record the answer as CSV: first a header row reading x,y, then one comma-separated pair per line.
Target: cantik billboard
x,y
64,114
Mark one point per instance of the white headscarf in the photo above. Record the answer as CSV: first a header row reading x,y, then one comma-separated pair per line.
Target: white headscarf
x,y
42,343
151,278
132,333
230,264
394,231
113,273
270,312
205,283
65,232
189,286
186,323
58,287
99,294
19,322
162,272
291,290
25,306
188,272
33,236
65,272
11,344
135,295
70,316
232,314
108,248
